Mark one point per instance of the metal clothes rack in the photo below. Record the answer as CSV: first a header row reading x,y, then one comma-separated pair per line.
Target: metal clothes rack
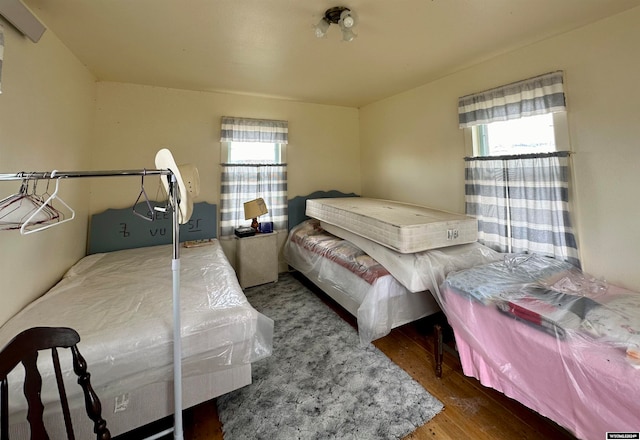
x,y
175,267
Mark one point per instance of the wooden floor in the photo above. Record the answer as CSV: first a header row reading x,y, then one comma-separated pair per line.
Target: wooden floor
x,y
471,411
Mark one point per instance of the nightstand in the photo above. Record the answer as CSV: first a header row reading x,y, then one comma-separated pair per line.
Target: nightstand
x,y
257,259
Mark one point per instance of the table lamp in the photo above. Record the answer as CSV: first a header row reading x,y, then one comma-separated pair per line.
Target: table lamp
x,y
254,209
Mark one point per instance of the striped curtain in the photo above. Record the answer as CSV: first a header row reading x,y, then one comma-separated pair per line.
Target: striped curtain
x,y
254,130
534,96
241,183
522,204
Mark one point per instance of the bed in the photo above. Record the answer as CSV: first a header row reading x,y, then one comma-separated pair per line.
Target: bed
x,y
381,287
552,337
119,300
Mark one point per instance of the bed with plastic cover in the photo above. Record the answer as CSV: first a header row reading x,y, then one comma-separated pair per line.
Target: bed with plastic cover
x,y
380,290
119,299
552,337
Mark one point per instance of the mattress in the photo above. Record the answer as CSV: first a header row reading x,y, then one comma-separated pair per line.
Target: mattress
x,y
402,227
121,305
355,280
417,271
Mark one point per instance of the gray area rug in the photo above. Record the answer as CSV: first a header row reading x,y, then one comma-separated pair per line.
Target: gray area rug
x,y
320,383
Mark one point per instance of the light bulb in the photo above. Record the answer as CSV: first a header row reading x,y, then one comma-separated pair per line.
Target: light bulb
x,y
346,20
348,34
322,27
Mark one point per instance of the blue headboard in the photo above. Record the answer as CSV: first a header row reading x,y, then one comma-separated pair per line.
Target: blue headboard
x,y
116,229
298,204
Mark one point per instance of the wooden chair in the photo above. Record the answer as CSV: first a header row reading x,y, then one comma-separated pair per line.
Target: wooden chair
x,y
24,349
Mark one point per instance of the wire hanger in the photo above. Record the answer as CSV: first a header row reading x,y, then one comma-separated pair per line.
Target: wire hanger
x,y
46,205
146,200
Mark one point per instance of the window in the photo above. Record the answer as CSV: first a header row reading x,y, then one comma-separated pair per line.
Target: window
x,y
517,182
253,153
253,165
533,134
528,135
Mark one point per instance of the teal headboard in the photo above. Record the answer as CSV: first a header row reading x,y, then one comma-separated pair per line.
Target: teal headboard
x,y
298,205
116,229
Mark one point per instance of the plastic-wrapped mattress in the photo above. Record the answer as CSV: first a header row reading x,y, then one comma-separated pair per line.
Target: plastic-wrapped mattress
x,y
120,303
355,280
402,227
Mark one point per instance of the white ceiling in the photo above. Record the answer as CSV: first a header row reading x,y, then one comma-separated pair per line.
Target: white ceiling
x,y
268,47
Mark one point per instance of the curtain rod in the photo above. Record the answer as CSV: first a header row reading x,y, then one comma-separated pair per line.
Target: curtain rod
x,y
71,174
520,156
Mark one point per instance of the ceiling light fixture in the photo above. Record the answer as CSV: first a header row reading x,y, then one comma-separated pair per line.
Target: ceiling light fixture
x,y
338,15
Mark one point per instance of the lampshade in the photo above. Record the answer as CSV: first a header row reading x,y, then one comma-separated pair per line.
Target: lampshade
x,y
254,208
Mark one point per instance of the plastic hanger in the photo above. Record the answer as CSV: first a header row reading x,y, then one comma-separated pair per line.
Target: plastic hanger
x,y
15,208
46,206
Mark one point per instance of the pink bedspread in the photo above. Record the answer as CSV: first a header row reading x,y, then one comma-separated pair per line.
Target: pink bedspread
x,y
586,385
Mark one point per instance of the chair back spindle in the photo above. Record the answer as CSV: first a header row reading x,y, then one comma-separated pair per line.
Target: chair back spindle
x,y
24,349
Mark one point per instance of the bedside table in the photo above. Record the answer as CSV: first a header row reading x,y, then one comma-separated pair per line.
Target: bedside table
x,y
257,259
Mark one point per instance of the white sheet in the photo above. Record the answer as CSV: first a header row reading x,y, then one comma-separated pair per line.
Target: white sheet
x,y
121,305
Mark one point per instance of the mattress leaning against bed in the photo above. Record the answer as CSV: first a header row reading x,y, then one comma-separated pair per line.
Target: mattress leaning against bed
x,y
121,305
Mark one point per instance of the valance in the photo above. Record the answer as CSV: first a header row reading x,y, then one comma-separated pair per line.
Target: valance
x,y
534,96
254,130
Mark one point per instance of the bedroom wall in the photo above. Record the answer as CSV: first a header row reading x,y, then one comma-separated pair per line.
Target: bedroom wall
x,y
46,118
133,122
412,149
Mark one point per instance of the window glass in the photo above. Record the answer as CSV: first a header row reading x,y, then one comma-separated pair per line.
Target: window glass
x,y
533,134
253,153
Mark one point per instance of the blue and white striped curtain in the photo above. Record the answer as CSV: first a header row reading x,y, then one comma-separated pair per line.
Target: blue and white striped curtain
x,y
254,130
522,204
534,96
242,183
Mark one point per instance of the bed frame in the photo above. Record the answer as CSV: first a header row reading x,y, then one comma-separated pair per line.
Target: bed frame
x,y
116,229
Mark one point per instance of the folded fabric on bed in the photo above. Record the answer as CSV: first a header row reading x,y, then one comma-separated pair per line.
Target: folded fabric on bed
x,y
554,296
507,277
550,311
